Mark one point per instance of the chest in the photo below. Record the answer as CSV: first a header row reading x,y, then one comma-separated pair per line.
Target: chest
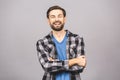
x,y
70,49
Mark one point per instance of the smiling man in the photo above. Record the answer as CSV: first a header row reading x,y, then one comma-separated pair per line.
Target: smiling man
x,y
61,53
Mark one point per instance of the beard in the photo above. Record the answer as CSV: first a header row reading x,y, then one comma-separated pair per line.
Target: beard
x,y
57,27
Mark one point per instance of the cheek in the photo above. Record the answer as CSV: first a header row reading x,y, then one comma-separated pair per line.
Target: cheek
x,y
51,21
63,21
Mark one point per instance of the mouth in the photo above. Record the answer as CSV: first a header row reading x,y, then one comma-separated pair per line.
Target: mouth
x,y
57,23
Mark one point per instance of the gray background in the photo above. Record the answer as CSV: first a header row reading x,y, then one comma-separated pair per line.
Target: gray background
x,y
23,22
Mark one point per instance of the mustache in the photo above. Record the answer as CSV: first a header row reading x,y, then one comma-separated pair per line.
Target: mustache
x,y
57,22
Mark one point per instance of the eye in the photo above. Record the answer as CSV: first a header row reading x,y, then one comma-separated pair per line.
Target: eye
x,y
60,16
52,16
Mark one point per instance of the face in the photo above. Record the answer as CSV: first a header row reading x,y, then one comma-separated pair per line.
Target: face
x,y
56,20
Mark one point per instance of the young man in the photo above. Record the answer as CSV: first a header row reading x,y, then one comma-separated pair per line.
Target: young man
x,y
60,53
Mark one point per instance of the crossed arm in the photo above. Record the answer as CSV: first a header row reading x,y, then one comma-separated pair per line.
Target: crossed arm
x,y
79,62
53,65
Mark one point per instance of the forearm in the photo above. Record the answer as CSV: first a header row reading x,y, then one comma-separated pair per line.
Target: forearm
x,y
81,61
52,65
72,62
56,66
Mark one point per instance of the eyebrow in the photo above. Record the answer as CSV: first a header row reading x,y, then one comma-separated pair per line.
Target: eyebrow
x,y
54,15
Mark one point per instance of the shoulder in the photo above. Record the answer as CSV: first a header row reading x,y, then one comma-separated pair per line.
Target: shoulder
x,y
43,40
74,35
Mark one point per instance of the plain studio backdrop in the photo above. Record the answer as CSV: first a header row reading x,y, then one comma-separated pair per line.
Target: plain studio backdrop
x,y
23,22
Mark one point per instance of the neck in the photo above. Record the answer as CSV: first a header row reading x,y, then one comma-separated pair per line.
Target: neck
x,y
59,35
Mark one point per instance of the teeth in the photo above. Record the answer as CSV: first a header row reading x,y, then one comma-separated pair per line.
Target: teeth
x,y
57,23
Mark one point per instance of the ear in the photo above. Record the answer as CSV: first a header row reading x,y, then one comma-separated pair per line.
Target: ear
x,y
48,21
64,19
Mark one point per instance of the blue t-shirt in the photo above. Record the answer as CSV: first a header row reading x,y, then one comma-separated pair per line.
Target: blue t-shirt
x,y
61,55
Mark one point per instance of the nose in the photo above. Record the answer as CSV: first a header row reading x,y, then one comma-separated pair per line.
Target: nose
x,y
56,19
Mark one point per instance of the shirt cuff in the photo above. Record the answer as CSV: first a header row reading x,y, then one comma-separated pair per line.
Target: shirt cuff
x,y
66,65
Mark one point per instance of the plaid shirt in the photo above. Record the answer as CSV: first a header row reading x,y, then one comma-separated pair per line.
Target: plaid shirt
x,y
46,49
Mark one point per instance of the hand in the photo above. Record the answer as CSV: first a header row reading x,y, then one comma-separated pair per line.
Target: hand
x,y
81,61
51,59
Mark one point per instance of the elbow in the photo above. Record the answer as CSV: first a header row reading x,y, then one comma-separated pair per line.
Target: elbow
x,y
76,69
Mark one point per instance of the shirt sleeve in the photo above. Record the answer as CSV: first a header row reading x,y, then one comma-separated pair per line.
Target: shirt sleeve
x,y
49,66
79,51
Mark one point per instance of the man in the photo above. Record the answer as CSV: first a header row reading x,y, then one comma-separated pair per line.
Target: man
x,y
60,53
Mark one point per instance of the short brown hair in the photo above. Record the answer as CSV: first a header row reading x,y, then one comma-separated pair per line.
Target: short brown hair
x,y
55,7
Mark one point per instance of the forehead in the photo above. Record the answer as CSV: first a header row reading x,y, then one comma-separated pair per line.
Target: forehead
x,y
56,12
